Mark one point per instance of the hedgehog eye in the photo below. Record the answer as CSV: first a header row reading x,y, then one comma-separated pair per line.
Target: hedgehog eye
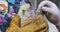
x,y
23,11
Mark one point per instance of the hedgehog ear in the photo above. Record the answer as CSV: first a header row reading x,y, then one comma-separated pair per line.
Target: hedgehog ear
x,y
28,1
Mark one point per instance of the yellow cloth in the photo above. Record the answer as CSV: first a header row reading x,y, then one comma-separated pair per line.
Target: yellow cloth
x,y
14,25
37,24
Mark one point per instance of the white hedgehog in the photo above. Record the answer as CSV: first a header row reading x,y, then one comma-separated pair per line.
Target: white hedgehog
x,y
24,12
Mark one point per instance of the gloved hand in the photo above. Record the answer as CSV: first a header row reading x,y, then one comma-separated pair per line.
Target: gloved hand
x,y
50,7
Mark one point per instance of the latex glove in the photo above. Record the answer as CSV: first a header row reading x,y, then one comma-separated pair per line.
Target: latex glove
x,y
50,7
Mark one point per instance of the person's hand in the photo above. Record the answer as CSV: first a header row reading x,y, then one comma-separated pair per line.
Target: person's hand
x,y
50,7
